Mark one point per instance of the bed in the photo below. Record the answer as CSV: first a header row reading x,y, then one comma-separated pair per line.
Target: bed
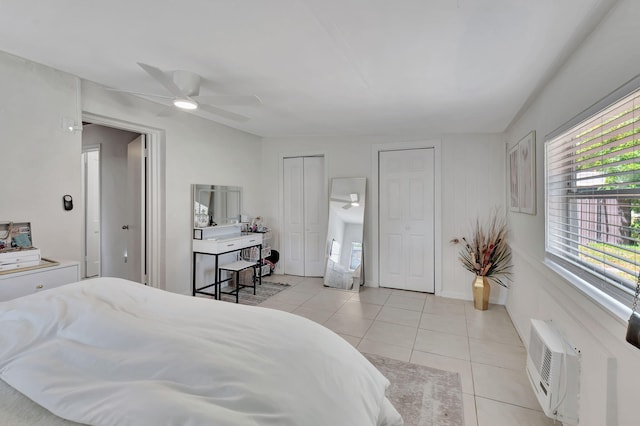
x,y
107,351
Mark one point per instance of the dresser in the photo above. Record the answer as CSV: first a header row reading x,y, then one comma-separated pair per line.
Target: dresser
x,y
22,283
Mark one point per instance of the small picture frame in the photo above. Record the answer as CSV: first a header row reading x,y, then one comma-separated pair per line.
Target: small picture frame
x,y
527,174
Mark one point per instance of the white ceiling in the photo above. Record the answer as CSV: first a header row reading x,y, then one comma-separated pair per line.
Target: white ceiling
x,y
397,68
347,213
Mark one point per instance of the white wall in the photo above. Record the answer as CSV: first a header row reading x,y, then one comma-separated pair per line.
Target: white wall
x,y
609,366
473,176
45,160
40,162
472,168
335,231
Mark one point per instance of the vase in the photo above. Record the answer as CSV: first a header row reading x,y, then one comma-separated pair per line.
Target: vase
x,y
481,290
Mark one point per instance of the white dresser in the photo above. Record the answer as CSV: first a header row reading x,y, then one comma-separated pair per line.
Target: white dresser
x,y
21,283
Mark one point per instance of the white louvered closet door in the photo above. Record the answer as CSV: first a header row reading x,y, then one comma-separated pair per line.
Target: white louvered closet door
x,y
406,219
305,216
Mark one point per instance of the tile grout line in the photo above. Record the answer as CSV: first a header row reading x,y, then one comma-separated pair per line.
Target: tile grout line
x,y
469,325
473,382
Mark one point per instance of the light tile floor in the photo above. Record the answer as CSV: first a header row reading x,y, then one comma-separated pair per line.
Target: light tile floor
x,y
448,334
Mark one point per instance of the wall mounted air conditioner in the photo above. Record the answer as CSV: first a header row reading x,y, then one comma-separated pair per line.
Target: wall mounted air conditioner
x,y
553,371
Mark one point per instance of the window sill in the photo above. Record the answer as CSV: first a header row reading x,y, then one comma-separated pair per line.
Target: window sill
x,y
616,309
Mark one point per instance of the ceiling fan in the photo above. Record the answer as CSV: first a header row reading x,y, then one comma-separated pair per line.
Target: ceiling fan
x,y
184,87
352,201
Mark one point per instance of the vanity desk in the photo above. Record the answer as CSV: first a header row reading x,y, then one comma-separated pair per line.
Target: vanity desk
x,y
223,244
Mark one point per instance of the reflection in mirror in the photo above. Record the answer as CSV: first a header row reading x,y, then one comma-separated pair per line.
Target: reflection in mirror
x,y
216,204
344,236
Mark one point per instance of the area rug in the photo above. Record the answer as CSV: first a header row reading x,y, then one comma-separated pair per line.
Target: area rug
x,y
424,396
263,292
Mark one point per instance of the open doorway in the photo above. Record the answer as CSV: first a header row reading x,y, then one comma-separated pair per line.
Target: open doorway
x,y
115,187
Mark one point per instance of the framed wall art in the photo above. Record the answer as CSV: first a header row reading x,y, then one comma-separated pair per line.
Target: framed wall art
x,y
527,174
521,167
512,168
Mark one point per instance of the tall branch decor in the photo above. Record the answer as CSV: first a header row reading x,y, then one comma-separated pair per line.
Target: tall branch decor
x,y
487,254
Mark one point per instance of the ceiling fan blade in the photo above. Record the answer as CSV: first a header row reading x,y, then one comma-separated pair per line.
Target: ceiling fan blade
x,y
222,113
347,206
228,99
139,94
163,79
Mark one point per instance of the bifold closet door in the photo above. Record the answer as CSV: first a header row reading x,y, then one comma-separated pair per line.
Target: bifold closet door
x,y
406,219
305,216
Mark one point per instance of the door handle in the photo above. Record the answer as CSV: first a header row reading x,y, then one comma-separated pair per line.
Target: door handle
x,y
125,226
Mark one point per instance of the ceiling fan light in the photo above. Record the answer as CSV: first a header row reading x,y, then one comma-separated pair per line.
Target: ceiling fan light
x,y
354,200
183,103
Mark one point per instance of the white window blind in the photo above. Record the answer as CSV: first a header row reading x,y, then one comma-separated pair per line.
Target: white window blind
x,y
593,197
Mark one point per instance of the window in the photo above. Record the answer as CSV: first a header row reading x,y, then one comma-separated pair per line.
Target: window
x,y
334,254
356,256
593,195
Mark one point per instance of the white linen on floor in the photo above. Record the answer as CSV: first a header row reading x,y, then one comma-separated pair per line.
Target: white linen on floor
x,y
108,351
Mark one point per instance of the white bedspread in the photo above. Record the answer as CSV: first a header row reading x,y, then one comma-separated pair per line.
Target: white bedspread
x,y
111,352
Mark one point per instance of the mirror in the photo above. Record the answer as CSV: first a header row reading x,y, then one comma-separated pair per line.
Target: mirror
x,y
216,204
344,237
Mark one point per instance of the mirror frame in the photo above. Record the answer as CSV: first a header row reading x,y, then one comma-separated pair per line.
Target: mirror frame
x,y
215,190
339,274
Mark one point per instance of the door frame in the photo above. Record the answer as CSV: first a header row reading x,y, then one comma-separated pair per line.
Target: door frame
x,y
281,156
374,224
154,193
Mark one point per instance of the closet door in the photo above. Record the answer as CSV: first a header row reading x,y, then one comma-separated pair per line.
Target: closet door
x,y
305,216
294,216
315,216
406,219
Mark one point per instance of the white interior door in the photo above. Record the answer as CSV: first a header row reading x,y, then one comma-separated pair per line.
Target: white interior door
x,y
91,164
293,216
135,227
305,216
315,216
406,219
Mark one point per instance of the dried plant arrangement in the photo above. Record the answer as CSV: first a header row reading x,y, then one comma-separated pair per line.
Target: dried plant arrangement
x,y
486,252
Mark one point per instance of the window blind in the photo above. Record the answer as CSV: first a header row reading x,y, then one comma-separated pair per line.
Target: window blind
x,y
593,197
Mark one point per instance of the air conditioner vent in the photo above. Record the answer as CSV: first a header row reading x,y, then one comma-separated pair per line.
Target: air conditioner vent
x,y
545,372
552,368
540,355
